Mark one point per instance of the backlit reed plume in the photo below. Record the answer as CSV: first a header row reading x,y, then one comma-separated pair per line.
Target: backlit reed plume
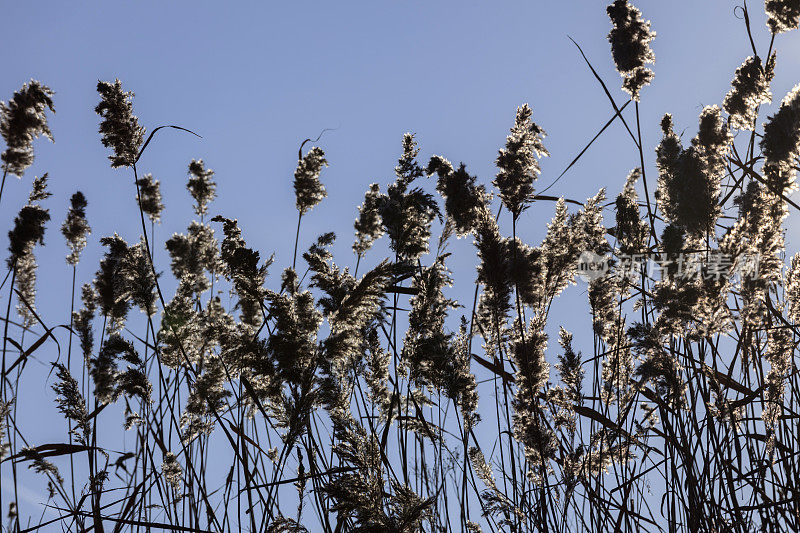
x,y
194,256
493,273
779,354
201,186
29,227
293,343
689,178
5,446
781,144
518,162
429,351
407,213
793,288
207,396
75,228
533,372
150,192
782,15
22,120
463,199
630,46
350,306
241,267
308,190
368,224
140,285
110,381
110,283
71,403
750,89
173,473
571,374
119,128
631,231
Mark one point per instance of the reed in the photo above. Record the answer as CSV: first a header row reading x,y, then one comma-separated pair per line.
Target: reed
x,y
316,399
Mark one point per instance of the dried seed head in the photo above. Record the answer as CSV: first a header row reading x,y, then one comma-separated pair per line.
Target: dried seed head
x,y
428,350
463,199
76,227
5,409
293,342
781,144
21,121
780,347
493,269
482,468
750,89
793,289
518,162
193,255
631,231
109,382
689,179
407,169
172,471
201,186
782,15
308,190
110,283
569,365
119,128
28,230
368,224
39,190
630,46
40,465
140,284
150,193
406,213
71,403
242,268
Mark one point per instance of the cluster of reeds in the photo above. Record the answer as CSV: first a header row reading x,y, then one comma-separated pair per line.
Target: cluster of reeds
x,y
320,399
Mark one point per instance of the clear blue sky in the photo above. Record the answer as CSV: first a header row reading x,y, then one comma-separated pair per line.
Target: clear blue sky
x,y
256,78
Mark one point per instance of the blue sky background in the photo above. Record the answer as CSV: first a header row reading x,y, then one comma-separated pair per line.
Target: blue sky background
x,y
256,78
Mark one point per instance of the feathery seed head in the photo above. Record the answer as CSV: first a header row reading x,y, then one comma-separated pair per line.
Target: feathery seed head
x,y
463,199
201,186
119,128
689,179
750,89
150,193
28,231
518,162
309,191
630,40
76,227
782,15
110,282
71,403
172,471
21,121
407,214
368,224
140,285
631,231
781,143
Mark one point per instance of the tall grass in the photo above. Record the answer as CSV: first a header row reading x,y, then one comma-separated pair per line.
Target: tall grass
x,y
316,399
